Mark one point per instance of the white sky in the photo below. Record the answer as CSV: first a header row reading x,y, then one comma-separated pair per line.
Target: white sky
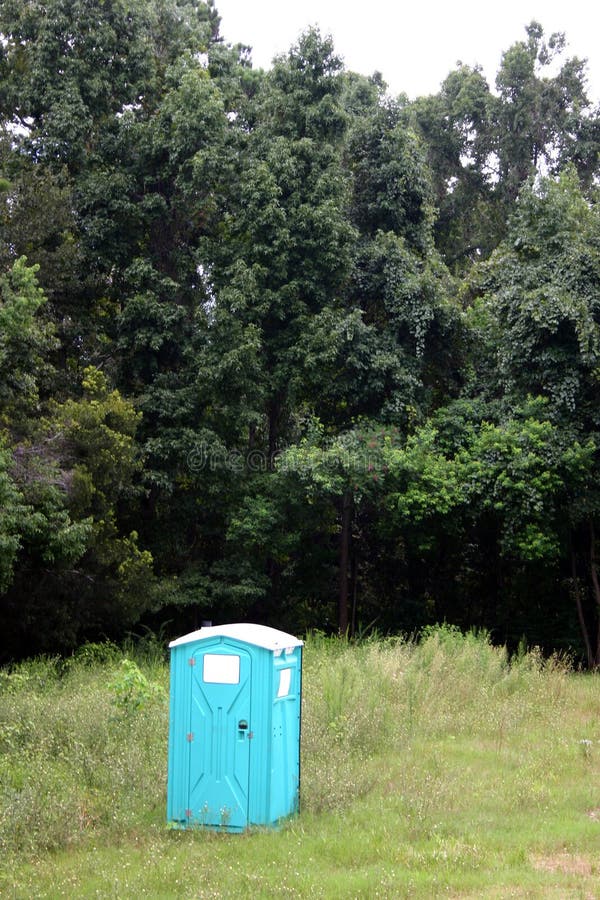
x,y
413,43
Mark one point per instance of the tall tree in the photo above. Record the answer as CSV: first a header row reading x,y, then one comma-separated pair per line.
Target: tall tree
x,y
288,248
69,67
541,294
483,146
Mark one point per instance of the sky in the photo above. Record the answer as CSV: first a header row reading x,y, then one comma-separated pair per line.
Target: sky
x,y
413,43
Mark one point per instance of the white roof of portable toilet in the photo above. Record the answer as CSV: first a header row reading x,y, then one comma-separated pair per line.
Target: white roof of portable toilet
x,y
258,635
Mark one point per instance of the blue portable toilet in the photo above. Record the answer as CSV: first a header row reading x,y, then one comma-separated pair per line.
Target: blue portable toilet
x,y
234,727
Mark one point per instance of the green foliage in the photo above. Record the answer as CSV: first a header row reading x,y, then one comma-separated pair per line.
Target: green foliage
x,y
35,531
237,377
484,146
11,512
98,433
70,67
288,247
544,297
25,344
132,690
391,183
94,654
71,485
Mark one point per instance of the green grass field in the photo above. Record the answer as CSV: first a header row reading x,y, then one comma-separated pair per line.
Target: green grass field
x,y
436,768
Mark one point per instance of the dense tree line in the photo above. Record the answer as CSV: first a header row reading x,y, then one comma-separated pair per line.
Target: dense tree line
x,y
278,346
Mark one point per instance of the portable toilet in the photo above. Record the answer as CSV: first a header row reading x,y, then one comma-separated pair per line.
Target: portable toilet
x,y
234,727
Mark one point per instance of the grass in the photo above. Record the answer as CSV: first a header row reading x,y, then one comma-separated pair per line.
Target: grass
x,y
437,768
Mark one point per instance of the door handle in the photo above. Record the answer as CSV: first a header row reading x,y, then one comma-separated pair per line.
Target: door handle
x,y
242,725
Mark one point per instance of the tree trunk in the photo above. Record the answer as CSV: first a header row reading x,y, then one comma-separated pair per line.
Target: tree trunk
x,y
580,614
344,559
274,412
596,589
354,585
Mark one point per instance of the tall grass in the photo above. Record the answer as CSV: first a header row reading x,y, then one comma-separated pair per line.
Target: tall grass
x,y
428,767
81,750
386,696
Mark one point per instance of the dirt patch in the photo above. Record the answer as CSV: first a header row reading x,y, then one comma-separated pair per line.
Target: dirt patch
x,y
569,863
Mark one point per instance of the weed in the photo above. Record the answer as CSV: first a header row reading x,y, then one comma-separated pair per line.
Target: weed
x,y
132,690
432,767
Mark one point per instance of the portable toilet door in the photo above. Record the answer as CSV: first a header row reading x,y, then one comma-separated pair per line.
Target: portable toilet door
x,y
231,707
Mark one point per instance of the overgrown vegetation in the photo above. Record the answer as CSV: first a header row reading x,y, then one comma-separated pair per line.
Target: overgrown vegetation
x,y
442,766
276,346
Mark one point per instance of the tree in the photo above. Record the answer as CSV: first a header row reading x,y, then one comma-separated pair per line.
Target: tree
x,y
539,118
457,128
12,510
539,302
26,342
68,67
483,146
288,247
78,568
402,360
